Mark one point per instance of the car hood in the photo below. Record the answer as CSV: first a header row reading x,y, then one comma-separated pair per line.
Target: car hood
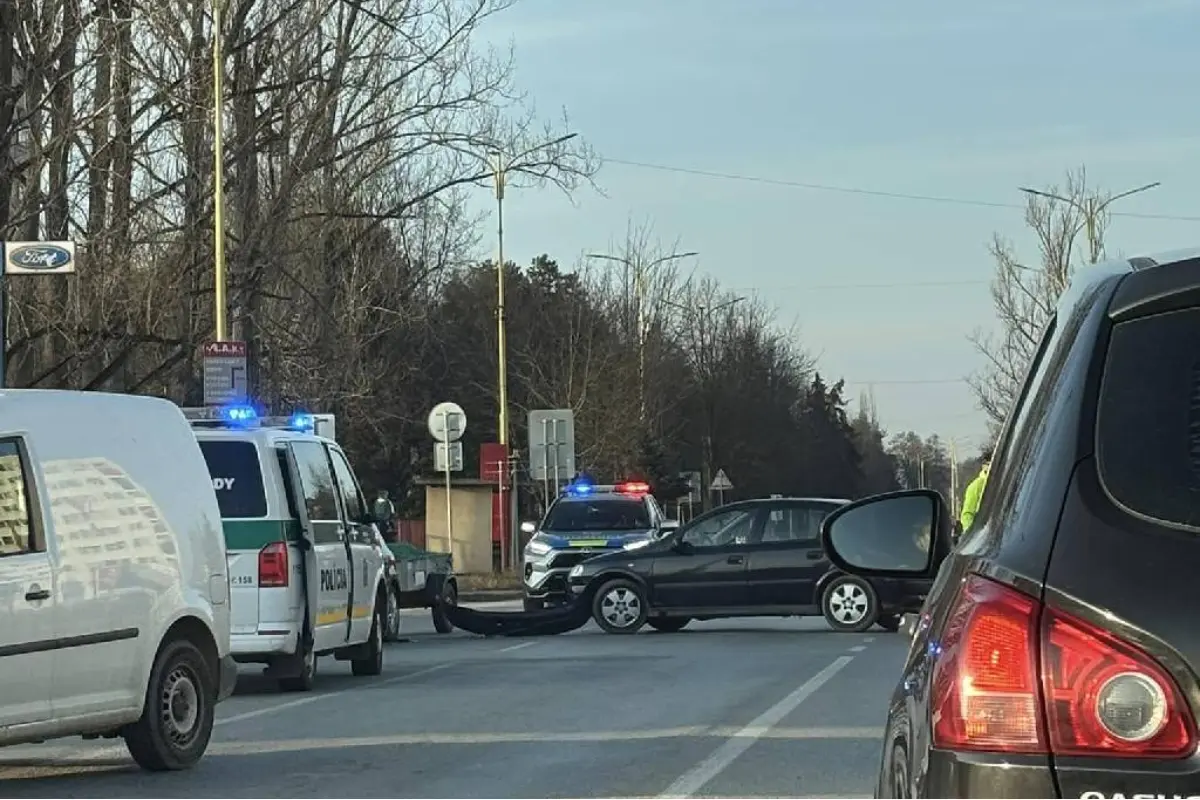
x,y
595,540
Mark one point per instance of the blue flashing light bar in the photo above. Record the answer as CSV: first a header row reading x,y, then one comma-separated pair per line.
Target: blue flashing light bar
x,y
580,488
240,414
303,421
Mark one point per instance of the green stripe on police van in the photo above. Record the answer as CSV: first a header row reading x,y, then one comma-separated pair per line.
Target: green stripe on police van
x,y
255,534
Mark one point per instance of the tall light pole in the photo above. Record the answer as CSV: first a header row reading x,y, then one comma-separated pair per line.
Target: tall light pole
x,y
500,166
219,301
1091,208
640,271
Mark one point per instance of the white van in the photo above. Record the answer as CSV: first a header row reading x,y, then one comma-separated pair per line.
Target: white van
x,y
114,612
307,574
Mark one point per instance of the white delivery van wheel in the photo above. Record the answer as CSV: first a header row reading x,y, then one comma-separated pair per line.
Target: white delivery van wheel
x,y
177,719
372,662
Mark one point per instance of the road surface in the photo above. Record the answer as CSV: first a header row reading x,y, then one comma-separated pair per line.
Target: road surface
x,y
742,708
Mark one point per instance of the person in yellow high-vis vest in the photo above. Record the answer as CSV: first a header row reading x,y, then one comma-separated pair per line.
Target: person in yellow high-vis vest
x,y
974,492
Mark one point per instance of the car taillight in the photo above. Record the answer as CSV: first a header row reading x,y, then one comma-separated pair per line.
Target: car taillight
x,y
273,566
1014,677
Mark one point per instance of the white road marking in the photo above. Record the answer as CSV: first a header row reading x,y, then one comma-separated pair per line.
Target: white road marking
x,y
695,778
869,639
857,649
510,648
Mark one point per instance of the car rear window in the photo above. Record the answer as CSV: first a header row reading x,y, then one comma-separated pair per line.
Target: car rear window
x,y
1148,425
598,514
237,478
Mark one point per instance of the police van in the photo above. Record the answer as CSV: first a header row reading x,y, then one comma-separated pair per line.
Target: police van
x,y
307,575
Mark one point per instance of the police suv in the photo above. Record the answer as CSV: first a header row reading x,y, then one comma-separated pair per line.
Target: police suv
x,y
306,571
586,520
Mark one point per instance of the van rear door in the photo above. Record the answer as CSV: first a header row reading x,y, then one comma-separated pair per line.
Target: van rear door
x,y
237,480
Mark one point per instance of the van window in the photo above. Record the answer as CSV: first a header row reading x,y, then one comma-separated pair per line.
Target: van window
x,y
236,477
16,522
316,481
355,506
1148,417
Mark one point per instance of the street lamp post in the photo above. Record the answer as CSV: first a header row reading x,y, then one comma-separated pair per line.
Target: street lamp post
x,y
640,270
219,301
1091,209
500,166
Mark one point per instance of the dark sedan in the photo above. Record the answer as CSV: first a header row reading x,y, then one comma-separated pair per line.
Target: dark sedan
x,y
1057,654
753,558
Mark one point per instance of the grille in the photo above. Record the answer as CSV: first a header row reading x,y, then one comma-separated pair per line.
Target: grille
x,y
570,558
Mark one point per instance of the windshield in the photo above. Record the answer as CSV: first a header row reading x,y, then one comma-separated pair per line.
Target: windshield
x,y
599,514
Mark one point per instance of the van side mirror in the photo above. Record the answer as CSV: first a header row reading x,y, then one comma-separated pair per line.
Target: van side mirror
x,y
898,534
528,527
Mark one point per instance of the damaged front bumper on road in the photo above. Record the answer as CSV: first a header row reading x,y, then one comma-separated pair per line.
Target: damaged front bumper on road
x,y
546,622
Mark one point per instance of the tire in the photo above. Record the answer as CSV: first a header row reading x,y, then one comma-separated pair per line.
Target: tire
x,y
177,719
620,607
391,631
898,773
849,604
372,662
449,598
306,659
532,604
668,624
890,622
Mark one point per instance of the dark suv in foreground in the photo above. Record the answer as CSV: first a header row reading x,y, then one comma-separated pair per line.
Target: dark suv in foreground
x,y
1057,652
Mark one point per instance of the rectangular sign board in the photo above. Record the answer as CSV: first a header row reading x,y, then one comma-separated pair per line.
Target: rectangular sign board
x,y
455,456
225,379
551,442
39,258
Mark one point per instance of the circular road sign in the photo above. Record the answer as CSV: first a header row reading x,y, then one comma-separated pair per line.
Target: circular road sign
x,y
447,422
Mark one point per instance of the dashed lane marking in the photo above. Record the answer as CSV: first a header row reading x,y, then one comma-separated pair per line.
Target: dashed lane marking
x,y
520,646
857,649
692,781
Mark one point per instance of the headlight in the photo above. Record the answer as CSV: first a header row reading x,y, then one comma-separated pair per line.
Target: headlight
x,y
636,545
576,571
537,547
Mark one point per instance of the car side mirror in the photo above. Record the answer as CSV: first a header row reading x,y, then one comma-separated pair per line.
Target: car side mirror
x,y
667,526
898,534
528,527
681,545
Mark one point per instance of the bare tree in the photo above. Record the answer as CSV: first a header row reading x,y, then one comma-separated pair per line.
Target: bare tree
x,y
1069,223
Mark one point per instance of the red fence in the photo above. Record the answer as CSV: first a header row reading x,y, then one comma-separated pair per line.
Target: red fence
x,y
411,531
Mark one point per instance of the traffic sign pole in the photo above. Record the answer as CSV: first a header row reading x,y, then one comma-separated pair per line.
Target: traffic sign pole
x,y
447,423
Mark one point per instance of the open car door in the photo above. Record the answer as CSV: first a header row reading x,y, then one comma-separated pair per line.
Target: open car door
x,y
308,542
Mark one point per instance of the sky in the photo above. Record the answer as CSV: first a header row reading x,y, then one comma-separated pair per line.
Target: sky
x,y
965,101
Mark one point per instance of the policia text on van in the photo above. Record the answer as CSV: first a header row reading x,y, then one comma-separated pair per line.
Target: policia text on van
x,y
305,564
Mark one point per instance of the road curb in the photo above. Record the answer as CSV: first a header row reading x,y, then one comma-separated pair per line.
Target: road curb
x,y
489,595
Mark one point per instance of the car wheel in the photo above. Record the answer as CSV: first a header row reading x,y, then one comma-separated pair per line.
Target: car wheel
x,y
177,718
305,660
849,604
391,632
372,662
890,622
532,604
620,607
668,624
900,783
441,623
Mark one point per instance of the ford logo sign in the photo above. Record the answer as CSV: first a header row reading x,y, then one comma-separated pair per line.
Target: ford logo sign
x,y
47,257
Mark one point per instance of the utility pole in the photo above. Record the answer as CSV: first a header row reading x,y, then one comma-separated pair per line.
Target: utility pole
x,y
1091,208
640,272
500,165
219,301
